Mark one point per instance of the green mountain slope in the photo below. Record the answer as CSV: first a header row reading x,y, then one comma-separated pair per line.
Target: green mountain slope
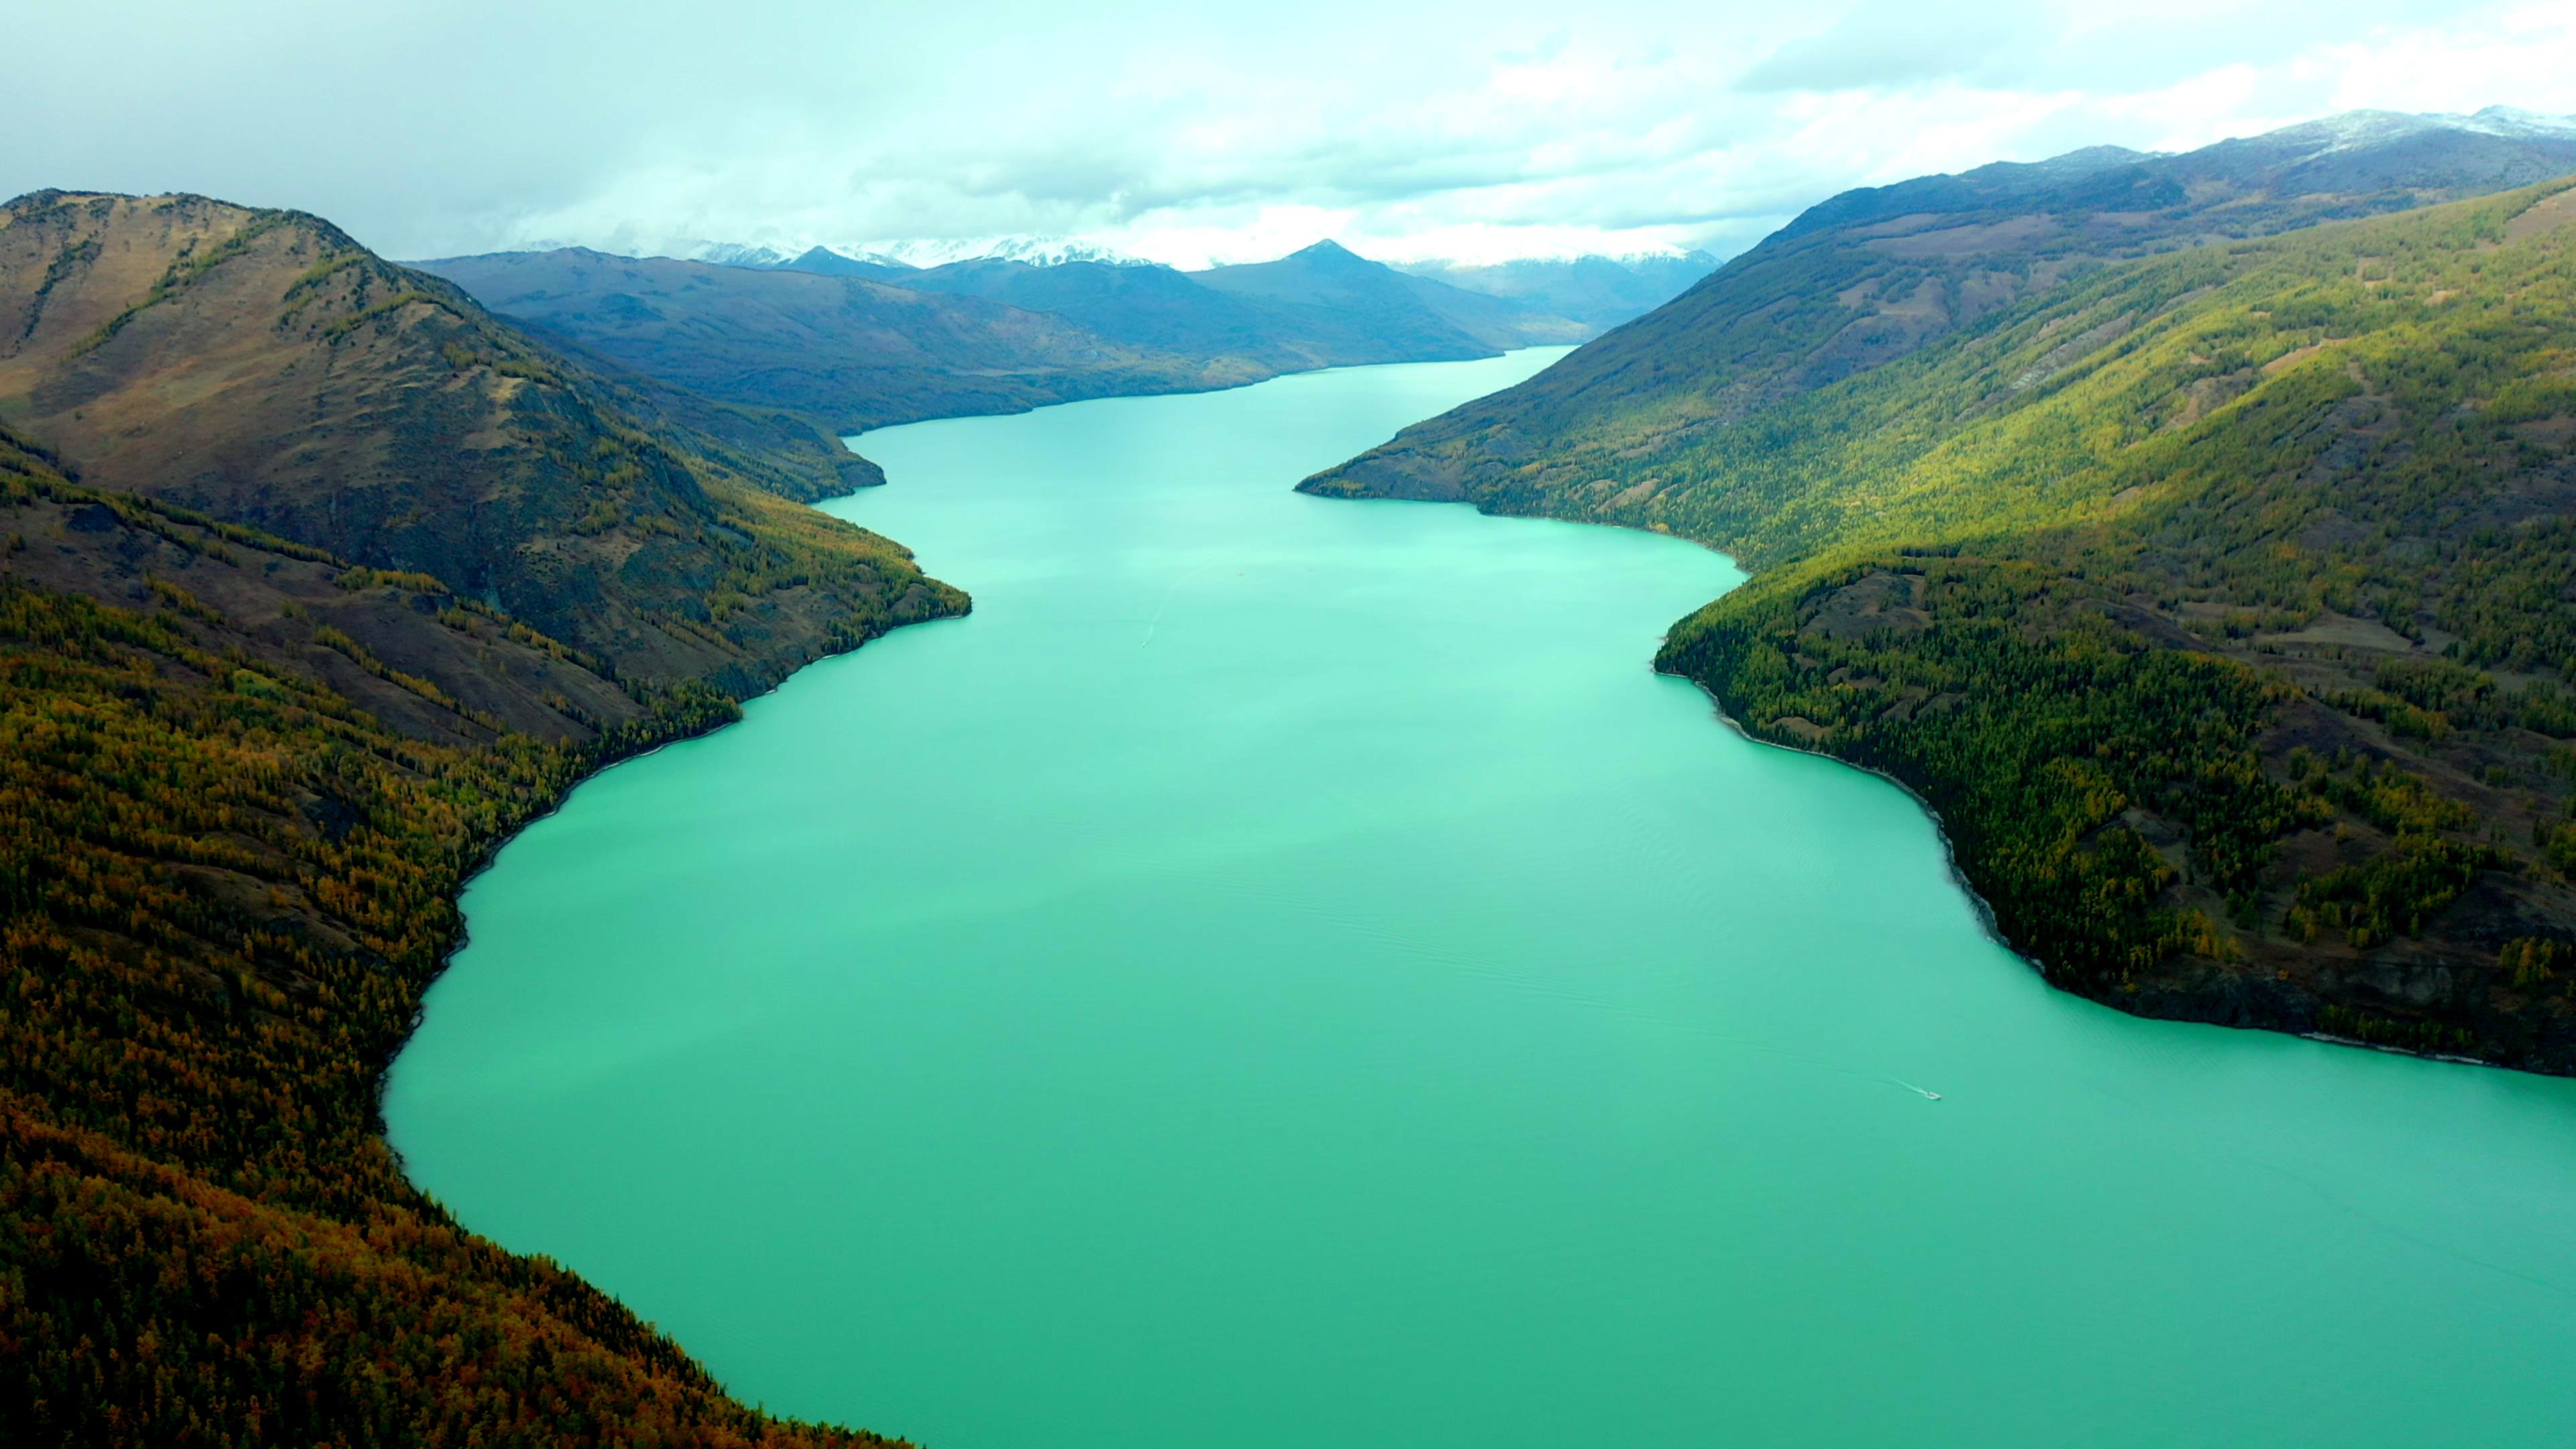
x,y
1871,276
243,776
2221,605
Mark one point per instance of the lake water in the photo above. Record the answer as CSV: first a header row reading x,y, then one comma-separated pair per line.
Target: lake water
x,y
1284,972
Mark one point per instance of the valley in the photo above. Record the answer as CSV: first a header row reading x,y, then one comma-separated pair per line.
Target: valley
x,y
1262,941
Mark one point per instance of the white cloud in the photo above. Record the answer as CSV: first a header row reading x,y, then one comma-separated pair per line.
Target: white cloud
x,y
1506,127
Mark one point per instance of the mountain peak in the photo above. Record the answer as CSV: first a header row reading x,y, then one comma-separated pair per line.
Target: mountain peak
x,y
830,263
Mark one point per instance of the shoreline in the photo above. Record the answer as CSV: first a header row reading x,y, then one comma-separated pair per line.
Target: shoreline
x,y
2224,1014
490,852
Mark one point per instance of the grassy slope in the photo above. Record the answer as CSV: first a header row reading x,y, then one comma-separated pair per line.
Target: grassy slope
x,y
241,779
2221,605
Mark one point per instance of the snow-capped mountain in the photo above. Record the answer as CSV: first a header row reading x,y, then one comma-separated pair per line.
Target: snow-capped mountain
x,y
1035,251
2507,121
733,254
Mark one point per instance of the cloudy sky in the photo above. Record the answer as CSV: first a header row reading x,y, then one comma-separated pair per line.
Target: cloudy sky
x,y
1223,131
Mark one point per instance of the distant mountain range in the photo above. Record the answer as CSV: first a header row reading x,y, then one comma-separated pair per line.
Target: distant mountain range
x,y
1593,290
916,255
848,352
1598,291
851,343
2192,531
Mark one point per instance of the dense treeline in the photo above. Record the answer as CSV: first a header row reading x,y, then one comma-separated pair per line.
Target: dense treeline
x,y
223,888
2225,608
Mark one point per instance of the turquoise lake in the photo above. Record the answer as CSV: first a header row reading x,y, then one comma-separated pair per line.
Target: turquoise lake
x,y
1285,972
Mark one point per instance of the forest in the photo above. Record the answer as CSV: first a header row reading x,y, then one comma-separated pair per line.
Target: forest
x,y
223,888
2221,605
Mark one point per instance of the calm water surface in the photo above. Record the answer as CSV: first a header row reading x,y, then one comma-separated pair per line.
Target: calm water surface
x,y
1284,972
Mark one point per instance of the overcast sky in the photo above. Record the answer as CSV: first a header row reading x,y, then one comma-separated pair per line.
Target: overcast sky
x,y
1225,131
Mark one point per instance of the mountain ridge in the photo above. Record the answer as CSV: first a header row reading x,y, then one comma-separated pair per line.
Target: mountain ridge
x,y
849,352
1871,275
838,345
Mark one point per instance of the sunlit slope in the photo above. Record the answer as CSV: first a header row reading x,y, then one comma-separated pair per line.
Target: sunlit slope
x,y
2222,606
1644,425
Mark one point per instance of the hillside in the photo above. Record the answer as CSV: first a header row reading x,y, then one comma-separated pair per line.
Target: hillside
x,y
260,367
1873,275
246,773
848,352
2221,605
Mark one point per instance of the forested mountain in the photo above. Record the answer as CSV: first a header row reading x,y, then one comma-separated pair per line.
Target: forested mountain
x,y
1599,292
315,583
1870,276
2220,602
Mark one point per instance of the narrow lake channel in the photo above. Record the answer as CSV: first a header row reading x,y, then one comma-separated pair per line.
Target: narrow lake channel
x,y
1284,972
